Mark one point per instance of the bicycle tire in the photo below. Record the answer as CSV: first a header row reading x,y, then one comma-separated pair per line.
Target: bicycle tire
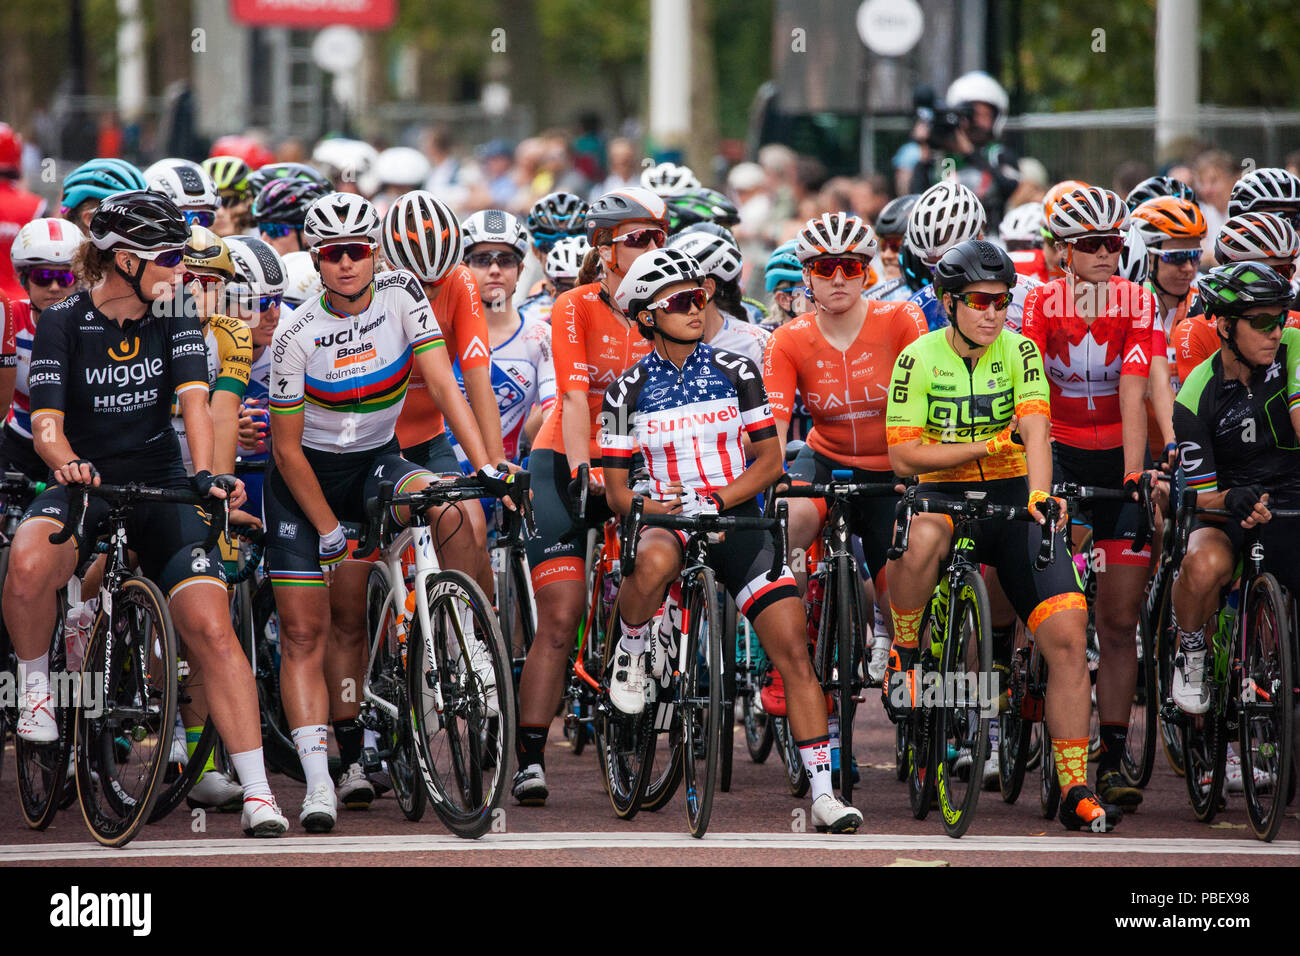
x,y
42,769
920,729
758,725
664,771
796,779
1205,752
1266,707
9,660
389,681
1035,755
465,755
900,751
1139,757
959,726
850,628
179,778
120,778
1049,786
593,658
727,725
701,685
1170,734
278,748
1016,728
625,744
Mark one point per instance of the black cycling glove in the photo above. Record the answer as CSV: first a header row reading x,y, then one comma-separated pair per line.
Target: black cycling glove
x,y
1241,501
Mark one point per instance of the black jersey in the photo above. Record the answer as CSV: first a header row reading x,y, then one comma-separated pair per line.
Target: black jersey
x,y
113,385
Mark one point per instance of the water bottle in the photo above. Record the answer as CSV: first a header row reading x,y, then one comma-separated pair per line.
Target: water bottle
x,y
76,631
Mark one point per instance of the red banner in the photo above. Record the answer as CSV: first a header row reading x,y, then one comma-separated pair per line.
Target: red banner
x,y
315,14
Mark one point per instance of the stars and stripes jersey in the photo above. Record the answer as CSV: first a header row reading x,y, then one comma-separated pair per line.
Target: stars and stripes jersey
x,y
687,422
1232,434
1084,361
347,375
459,314
935,317
23,324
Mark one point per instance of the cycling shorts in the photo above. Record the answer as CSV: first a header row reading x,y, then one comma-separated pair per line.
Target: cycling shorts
x,y
1114,523
871,519
1012,547
436,454
555,553
292,555
167,538
1279,538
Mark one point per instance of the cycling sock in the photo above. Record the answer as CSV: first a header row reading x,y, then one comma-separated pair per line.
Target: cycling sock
x,y
251,771
1071,758
347,734
1113,739
531,746
313,751
192,735
816,757
634,638
907,625
37,669
1191,640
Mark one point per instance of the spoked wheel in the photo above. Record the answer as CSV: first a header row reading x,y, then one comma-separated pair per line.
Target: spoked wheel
x,y
1170,733
180,777
1139,757
920,728
758,726
43,768
125,722
389,681
1013,756
624,742
849,641
701,696
1265,721
1049,788
1205,755
968,688
467,746
900,751
727,665
795,777
277,745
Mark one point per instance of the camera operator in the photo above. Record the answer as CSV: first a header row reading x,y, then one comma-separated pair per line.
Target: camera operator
x,y
965,129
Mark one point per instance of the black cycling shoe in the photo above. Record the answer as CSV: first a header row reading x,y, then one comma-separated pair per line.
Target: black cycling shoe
x,y
1111,788
897,691
1082,810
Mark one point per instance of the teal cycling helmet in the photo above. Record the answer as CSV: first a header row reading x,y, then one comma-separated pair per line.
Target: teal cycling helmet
x,y
782,266
98,179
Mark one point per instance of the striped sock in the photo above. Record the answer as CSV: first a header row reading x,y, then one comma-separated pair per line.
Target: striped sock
x,y
816,757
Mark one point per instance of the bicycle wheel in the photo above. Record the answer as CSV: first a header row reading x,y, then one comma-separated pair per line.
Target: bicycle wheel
x,y
1266,707
43,768
795,776
278,748
1049,787
179,778
1171,735
388,681
850,628
579,726
920,730
727,665
1013,756
758,726
124,737
466,745
1205,755
970,700
701,697
1139,757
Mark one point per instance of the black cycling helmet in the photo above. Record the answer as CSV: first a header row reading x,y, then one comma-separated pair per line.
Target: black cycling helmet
x,y
138,221
915,272
712,229
258,179
892,220
701,204
629,204
975,260
1153,187
1230,291
286,201
555,216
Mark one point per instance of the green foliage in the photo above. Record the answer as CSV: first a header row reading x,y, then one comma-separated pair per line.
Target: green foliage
x,y
589,36
742,41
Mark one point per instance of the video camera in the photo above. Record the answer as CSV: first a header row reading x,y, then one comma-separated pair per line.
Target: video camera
x,y
943,120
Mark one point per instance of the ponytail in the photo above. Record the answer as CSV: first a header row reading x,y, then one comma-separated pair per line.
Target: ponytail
x,y
591,266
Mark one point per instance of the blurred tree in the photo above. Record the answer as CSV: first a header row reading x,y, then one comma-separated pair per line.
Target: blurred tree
x,y
588,40
742,41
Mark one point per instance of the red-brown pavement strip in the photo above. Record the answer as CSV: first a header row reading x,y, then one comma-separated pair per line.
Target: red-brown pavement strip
x,y
758,803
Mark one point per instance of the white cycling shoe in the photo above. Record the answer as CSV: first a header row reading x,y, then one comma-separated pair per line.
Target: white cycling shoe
x,y
262,818
1190,690
319,810
627,685
830,815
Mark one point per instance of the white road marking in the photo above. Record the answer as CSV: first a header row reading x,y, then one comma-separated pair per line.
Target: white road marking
x,y
544,842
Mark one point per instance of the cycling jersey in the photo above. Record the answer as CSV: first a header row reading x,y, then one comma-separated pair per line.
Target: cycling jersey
x,y
937,396
18,207
230,360
1230,434
743,338
113,385
23,326
687,422
592,344
1196,339
347,374
459,314
1168,322
1084,361
844,391
1030,263
932,305
537,306
523,375
889,290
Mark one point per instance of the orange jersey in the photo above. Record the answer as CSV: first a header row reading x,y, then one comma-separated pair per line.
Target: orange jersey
x,y
1197,338
592,345
845,392
459,312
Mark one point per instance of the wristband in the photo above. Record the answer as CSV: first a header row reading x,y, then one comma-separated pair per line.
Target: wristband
x,y
717,500
1172,446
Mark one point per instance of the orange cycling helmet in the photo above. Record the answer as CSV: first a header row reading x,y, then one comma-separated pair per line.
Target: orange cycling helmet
x,y
1055,193
1168,217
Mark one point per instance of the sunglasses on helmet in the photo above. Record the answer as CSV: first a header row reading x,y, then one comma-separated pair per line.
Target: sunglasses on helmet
x,y
979,301
167,258
1286,270
1180,257
274,230
199,217
850,266
47,277
1094,244
498,257
356,251
681,303
643,238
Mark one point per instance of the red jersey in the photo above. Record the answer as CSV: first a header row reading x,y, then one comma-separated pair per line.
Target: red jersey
x,y
457,307
1085,360
1030,262
592,345
18,207
845,392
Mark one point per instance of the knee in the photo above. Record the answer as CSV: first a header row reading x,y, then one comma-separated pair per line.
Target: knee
x,y
655,568
29,575
927,536
1205,570
300,638
557,624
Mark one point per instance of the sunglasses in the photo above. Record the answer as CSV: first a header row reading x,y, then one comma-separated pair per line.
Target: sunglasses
x,y
199,217
274,230
1180,257
796,290
979,301
47,277
643,238
266,302
1267,321
486,260
1286,270
204,279
543,241
680,303
356,251
891,243
849,266
167,258
1094,244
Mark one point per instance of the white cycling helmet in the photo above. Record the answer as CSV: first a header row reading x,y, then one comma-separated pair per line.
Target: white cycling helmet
x,y
301,280
946,215
978,87
401,166
344,160
259,270
1024,223
186,184
422,235
1267,187
495,225
1133,259
717,257
46,242
564,261
1251,236
835,234
650,274
338,216
664,179
1089,209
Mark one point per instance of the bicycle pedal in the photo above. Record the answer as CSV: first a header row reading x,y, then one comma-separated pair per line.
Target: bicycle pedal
x,y
370,760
